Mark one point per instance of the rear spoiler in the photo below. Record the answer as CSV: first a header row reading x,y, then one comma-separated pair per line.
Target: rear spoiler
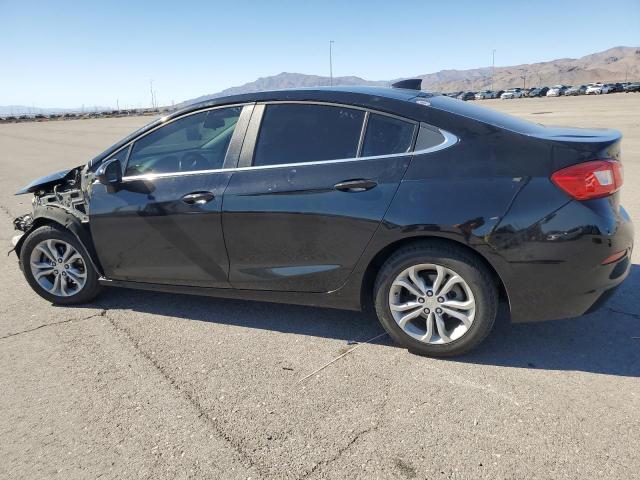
x,y
409,84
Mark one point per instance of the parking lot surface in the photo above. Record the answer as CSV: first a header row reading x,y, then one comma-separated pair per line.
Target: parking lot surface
x,y
149,385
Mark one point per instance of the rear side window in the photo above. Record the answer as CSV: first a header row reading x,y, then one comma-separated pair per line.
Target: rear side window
x,y
387,135
298,133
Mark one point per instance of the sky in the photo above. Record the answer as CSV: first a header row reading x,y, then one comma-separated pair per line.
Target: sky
x,y
67,54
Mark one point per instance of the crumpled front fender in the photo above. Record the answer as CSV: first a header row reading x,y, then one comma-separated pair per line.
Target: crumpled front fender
x,y
51,214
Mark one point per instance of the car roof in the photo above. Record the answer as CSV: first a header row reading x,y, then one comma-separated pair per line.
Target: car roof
x,y
312,93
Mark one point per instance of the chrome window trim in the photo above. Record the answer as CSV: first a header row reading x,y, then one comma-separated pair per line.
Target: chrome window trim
x,y
449,140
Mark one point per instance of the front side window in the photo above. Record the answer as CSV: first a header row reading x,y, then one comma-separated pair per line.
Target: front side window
x,y
195,142
295,133
387,135
120,155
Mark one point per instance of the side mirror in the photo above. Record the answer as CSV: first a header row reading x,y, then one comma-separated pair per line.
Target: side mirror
x,y
110,173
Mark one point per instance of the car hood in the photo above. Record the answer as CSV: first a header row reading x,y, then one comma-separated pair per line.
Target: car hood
x,y
46,181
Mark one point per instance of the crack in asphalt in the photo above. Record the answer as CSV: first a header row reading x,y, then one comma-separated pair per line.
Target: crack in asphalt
x,y
621,312
100,314
373,428
244,457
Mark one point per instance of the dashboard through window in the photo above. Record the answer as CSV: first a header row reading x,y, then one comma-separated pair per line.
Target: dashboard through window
x,y
300,133
195,142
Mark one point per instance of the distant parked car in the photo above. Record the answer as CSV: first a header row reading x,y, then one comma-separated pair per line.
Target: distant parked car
x,y
539,92
512,93
499,93
577,90
557,90
483,94
616,87
453,94
467,96
597,89
632,87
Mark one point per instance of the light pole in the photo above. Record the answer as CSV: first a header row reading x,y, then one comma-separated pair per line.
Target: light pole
x,y
330,63
152,97
493,65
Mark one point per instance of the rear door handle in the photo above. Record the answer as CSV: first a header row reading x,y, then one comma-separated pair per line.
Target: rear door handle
x,y
355,185
198,198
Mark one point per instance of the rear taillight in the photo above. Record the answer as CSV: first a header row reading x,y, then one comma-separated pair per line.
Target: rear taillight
x,y
588,180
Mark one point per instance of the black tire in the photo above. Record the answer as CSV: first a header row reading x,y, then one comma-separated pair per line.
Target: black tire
x,y
470,268
91,287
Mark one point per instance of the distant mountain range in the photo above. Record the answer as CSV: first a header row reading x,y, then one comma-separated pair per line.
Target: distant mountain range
x,y
613,65
616,64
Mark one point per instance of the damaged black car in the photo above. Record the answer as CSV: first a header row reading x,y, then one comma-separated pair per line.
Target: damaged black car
x,y
427,209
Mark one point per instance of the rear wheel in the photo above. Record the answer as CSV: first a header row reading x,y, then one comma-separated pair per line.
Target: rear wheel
x,y
58,267
436,299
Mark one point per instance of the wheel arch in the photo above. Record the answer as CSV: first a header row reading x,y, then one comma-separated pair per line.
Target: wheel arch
x,y
68,222
378,260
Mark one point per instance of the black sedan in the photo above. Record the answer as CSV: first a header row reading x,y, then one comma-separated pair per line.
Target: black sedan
x,y
632,87
467,96
430,209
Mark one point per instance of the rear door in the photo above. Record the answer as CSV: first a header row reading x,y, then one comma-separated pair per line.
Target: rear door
x,y
315,184
162,224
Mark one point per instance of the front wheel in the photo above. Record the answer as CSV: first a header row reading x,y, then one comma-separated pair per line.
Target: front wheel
x,y
436,299
58,267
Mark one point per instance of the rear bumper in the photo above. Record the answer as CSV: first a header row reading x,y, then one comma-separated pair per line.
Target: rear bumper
x,y
554,269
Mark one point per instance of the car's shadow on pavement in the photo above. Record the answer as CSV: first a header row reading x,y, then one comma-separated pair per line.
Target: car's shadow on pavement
x,y
605,342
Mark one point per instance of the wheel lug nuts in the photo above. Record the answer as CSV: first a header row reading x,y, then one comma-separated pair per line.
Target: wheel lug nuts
x,y
440,299
426,310
438,310
59,260
429,293
64,274
55,272
421,300
66,266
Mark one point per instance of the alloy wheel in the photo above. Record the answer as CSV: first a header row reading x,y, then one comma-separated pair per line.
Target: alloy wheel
x,y
432,303
58,267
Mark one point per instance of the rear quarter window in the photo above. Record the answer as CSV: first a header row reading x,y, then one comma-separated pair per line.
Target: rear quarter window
x,y
387,135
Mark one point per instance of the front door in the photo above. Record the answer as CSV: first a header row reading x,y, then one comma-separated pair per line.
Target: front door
x,y
162,224
300,217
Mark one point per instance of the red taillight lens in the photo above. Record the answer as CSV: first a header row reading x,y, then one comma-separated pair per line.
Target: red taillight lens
x,y
588,180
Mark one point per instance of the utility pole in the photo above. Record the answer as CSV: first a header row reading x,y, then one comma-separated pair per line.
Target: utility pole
x,y
524,78
330,63
493,65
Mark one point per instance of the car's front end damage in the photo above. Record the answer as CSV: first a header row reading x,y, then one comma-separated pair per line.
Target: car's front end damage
x,y
60,198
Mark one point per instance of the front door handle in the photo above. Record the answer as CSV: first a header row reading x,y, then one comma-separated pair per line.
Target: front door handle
x,y
355,185
198,198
